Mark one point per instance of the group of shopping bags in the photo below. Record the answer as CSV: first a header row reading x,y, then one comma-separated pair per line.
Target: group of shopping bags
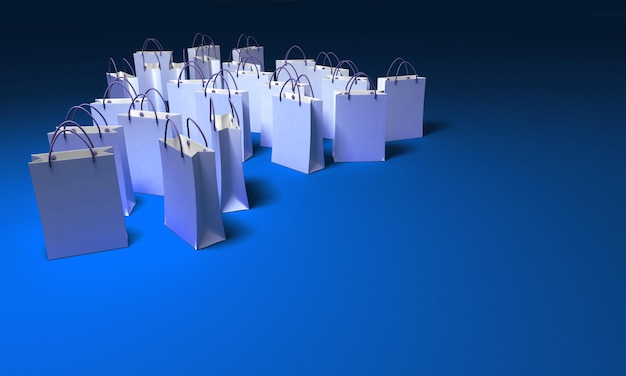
x,y
182,130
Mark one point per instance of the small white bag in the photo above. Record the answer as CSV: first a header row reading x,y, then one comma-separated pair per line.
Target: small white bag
x,y
359,124
191,203
142,129
182,92
251,80
298,142
207,48
253,51
405,101
78,198
331,83
101,136
153,67
317,72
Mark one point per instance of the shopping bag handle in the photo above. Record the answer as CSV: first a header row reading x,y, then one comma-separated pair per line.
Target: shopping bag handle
x,y
398,59
326,58
118,81
406,64
202,38
353,79
132,70
167,107
132,105
111,61
274,76
233,111
295,46
244,61
294,84
191,64
64,125
200,129
214,79
247,40
52,157
155,42
308,80
350,64
180,140
81,107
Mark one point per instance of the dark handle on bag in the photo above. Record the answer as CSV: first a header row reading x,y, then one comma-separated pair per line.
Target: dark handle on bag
x,y
406,64
64,125
353,79
309,81
326,58
118,81
203,36
143,96
180,141
298,48
199,129
51,157
191,64
340,64
111,61
80,107
132,70
167,107
245,61
398,59
293,96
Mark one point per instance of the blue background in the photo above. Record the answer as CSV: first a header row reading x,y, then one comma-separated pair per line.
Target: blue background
x,y
492,246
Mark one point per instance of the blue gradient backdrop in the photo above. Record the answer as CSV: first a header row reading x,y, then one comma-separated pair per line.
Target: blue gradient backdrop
x,y
492,246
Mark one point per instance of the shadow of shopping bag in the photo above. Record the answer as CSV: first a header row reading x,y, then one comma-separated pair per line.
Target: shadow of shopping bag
x,y
78,199
191,204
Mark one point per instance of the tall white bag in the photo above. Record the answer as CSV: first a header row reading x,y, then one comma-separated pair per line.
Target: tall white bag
x,y
225,136
101,136
223,99
251,51
153,68
142,129
110,107
191,203
269,88
206,48
405,111
183,93
330,84
78,199
300,65
128,79
251,80
298,142
360,124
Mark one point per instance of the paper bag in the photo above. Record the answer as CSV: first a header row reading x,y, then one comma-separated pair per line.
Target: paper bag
x,y
78,199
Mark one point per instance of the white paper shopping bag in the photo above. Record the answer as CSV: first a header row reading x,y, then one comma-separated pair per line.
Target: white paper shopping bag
x,y
223,99
182,93
332,83
191,203
142,129
251,79
225,135
101,136
128,80
298,142
359,124
206,48
405,101
249,50
152,67
78,199
300,65
271,87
